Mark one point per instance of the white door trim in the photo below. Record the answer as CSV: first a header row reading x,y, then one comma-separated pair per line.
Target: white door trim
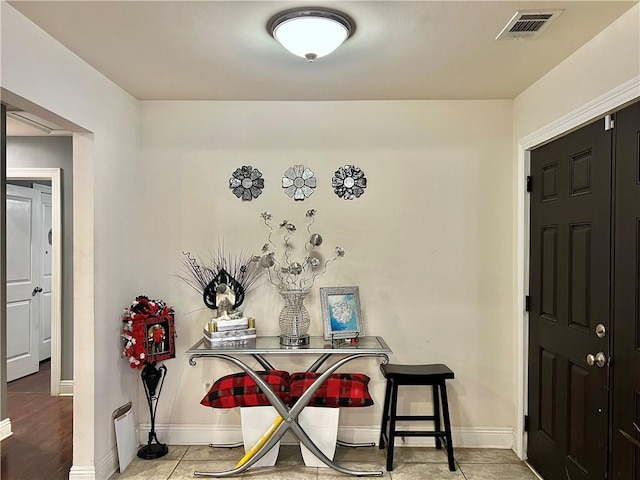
x,y
53,175
600,106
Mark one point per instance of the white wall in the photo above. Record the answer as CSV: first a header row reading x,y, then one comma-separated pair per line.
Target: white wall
x,y
607,61
39,72
429,243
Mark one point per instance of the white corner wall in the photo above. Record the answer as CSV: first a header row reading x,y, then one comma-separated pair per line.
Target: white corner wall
x,y
429,242
39,72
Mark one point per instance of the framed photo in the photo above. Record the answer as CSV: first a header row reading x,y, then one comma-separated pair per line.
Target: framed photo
x,y
341,315
160,335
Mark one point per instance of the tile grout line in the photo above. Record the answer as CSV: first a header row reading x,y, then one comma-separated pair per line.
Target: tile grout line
x,y
179,462
461,471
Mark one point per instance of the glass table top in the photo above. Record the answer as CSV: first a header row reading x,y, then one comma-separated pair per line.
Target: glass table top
x,y
271,345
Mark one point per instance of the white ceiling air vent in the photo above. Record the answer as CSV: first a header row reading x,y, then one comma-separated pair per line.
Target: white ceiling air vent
x,y
528,24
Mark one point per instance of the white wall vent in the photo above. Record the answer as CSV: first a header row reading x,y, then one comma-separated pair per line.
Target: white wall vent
x,y
528,24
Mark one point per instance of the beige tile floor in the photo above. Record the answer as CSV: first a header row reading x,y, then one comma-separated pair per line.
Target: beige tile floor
x,y
411,463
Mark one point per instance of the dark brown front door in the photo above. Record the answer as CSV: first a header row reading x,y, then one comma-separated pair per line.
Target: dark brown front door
x,y
626,333
570,296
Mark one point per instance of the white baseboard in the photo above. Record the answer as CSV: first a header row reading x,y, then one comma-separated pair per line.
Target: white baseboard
x,y
515,443
5,429
465,437
82,473
66,388
107,466
470,437
180,434
483,437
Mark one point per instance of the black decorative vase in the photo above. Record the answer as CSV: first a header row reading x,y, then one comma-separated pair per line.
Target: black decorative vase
x,y
151,378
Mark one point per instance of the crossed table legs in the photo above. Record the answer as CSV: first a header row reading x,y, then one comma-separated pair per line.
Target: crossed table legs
x,y
290,415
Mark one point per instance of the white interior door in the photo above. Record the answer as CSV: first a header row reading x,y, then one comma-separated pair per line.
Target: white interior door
x,y
23,272
46,252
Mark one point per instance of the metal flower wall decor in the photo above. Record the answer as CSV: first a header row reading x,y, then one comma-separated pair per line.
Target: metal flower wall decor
x,y
299,182
283,271
246,183
349,182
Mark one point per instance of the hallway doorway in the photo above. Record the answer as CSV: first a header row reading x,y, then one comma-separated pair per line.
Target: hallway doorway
x,y
54,305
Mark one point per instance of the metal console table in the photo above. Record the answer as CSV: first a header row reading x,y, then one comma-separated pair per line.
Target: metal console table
x,y
262,347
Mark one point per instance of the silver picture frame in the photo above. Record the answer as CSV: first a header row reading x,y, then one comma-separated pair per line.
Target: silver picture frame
x,y
341,312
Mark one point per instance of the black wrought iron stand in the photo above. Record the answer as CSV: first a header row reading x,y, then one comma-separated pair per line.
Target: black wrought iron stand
x,y
151,377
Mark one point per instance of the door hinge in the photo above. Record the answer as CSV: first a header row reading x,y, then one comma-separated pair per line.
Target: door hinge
x,y
529,183
527,303
526,423
609,123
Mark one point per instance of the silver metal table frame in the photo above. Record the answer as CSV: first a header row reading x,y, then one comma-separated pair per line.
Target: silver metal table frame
x,y
367,347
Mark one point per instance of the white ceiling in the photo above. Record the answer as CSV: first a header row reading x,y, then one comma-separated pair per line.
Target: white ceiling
x,y
221,50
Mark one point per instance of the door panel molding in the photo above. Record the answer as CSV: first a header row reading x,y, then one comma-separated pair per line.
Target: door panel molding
x,y
548,386
54,175
580,276
637,315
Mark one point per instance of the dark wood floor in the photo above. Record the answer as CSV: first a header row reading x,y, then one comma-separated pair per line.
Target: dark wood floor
x,y
41,445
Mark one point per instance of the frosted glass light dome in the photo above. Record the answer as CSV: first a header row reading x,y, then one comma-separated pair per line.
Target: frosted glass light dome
x,y
311,34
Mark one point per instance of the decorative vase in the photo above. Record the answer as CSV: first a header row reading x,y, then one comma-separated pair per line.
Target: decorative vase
x,y
294,318
151,377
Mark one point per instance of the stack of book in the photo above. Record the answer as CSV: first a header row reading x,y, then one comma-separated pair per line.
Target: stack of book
x,y
232,331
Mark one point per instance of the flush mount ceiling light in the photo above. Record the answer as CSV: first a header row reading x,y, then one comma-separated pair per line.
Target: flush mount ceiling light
x,y
311,33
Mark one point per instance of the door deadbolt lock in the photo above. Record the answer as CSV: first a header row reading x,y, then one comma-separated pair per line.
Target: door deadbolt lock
x,y
599,359
36,291
601,330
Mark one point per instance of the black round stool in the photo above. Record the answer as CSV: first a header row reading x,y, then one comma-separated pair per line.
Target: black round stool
x,y
434,375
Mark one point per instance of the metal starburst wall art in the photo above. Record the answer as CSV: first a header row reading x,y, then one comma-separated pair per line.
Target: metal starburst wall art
x,y
285,272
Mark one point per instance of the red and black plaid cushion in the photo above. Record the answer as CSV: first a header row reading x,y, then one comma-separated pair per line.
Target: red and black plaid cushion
x,y
339,390
239,390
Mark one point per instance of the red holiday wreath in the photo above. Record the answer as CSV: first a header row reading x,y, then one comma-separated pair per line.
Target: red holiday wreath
x,y
148,332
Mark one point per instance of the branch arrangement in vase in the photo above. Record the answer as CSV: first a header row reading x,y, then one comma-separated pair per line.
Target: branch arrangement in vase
x,y
283,270
241,271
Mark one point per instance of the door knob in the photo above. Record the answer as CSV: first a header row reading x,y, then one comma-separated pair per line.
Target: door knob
x,y
36,291
599,359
